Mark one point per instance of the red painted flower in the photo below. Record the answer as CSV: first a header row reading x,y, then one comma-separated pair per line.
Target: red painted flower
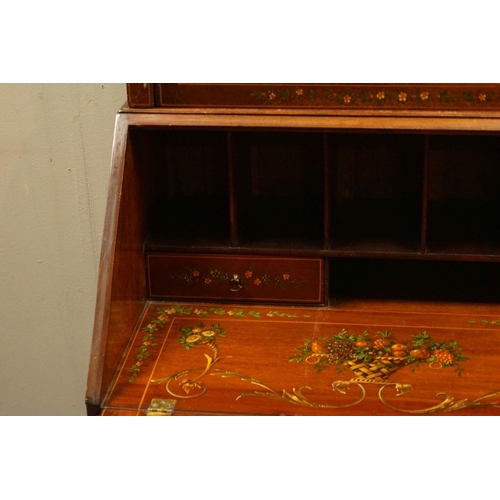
x,y
257,282
248,274
286,276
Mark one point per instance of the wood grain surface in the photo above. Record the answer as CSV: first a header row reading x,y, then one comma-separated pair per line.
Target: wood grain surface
x,y
249,364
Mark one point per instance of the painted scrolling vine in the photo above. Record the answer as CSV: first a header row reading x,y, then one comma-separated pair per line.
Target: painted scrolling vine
x,y
372,359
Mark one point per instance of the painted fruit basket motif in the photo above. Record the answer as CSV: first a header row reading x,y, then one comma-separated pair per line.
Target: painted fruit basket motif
x,y
375,359
362,358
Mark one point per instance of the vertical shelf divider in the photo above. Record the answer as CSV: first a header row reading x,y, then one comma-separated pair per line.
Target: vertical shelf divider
x,y
326,215
425,196
326,193
233,201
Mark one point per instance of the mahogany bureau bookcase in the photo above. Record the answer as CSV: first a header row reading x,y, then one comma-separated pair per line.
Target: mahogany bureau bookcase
x,y
275,249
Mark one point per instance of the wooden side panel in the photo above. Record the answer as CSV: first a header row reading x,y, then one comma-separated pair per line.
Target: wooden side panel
x,y
121,292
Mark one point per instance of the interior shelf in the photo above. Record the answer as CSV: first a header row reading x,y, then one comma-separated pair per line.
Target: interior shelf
x,y
188,184
406,280
463,189
376,192
376,225
279,187
466,227
410,194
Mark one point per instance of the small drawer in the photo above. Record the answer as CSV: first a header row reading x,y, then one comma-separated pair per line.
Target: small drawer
x,y
236,278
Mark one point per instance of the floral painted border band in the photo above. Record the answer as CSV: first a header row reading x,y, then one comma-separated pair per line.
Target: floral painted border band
x,y
379,96
440,96
249,277
165,314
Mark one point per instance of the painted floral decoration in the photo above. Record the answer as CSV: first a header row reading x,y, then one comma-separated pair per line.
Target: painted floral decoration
x,y
379,356
191,337
250,276
405,96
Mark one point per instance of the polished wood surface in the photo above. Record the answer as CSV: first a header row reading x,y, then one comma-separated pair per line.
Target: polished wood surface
x,y
477,121
237,359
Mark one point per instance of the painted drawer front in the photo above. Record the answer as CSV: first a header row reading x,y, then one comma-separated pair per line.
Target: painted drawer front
x,y
238,278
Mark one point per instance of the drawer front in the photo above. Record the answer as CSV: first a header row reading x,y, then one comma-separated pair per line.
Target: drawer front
x,y
236,278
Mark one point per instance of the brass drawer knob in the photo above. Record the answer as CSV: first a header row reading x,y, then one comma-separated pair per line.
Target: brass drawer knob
x,y
235,284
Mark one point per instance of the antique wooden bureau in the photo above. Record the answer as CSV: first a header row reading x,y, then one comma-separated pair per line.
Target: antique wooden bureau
x,y
301,250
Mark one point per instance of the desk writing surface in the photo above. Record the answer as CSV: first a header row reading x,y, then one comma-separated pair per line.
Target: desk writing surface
x,y
344,360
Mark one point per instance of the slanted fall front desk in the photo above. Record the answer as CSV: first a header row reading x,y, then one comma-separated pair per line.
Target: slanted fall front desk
x,y
301,250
